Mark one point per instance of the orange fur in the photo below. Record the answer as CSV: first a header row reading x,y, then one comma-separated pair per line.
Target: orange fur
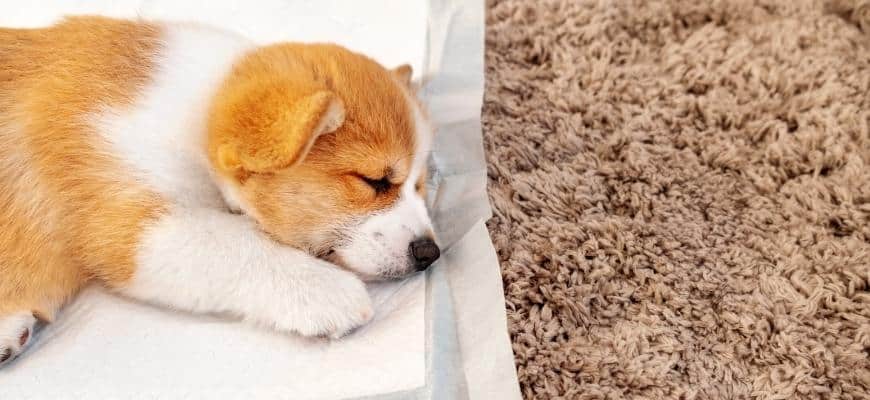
x,y
69,212
301,205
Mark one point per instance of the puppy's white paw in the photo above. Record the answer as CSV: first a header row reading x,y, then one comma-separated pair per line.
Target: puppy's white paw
x,y
339,303
331,302
16,331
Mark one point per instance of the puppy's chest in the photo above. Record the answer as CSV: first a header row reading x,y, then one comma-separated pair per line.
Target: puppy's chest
x,y
160,148
161,137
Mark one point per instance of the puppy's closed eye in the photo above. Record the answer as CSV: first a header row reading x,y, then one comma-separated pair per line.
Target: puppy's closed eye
x,y
380,185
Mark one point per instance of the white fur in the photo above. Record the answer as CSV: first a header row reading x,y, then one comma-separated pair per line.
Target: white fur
x,y
11,328
379,246
199,257
163,136
205,260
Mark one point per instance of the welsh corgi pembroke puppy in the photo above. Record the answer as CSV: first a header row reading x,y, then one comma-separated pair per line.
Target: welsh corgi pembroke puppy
x,y
185,166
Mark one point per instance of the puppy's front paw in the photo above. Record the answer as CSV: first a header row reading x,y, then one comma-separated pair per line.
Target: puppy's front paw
x,y
15,333
330,303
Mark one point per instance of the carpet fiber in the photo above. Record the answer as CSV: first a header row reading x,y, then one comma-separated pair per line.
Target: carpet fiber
x,y
682,196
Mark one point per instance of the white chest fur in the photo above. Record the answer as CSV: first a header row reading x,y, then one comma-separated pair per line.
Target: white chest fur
x,y
162,136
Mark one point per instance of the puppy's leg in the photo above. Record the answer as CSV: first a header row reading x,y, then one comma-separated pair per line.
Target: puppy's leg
x,y
204,260
16,329
35,280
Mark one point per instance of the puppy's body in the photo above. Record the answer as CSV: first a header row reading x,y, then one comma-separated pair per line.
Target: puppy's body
x,y
125,145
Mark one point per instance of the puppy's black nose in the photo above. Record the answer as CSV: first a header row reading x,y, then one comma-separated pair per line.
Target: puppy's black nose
x,y
424,252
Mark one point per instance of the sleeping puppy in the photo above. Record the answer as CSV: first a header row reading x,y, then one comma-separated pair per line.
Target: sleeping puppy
x,y
184,166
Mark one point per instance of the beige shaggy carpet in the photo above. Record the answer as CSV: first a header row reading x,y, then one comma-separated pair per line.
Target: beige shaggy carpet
x,y
682,196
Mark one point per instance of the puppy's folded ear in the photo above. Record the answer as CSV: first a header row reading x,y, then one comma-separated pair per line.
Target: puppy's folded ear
x,y
264,127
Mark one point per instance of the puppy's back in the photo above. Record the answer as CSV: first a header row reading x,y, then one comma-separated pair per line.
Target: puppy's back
x,y
68,208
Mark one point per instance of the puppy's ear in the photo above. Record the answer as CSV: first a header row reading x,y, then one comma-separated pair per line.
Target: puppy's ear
x,y
403,73
268,126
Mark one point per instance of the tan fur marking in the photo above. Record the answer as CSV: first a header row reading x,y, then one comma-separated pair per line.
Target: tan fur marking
x,y
301,205
69,212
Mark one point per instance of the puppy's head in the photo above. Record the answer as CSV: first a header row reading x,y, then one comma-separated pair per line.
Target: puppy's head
x,y
327,150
